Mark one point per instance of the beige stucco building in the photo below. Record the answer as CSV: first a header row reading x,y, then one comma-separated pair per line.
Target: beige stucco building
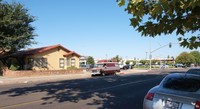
x,y
54,57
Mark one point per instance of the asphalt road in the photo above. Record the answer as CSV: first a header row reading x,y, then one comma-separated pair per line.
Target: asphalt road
x,y
109,92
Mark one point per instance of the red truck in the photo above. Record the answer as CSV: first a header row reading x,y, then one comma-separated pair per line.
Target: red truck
x,y
104,68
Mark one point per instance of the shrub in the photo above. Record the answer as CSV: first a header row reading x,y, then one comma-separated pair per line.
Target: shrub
x,y
72,68
14,67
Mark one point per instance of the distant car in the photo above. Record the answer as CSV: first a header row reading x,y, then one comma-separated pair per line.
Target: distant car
x,y
179,65
86,67
122,66
164,66
195,71
176,91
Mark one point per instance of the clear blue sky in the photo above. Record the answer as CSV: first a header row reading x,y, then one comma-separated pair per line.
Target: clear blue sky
x,y
97,28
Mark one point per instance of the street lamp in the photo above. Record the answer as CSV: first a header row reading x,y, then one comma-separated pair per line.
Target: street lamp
x,y
146,54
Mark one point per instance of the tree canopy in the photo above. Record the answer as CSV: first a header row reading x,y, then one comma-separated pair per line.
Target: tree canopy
x,y
185,58
16,31
156,17
196,55
116,58
90,60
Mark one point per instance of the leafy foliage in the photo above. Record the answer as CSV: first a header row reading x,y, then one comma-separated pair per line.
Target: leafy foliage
x,y
72,68
13,64
144,62
116,58
185,58
196,55
127,62
166,17
16,31
90,60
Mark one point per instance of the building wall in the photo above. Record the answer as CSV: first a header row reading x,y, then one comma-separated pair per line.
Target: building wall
x,y
53,57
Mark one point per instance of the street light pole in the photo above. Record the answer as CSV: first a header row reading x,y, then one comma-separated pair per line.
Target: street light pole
x,y
151,51
146,55
150,56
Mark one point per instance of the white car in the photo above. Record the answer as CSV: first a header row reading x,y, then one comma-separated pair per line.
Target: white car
x,y
122,66
176,91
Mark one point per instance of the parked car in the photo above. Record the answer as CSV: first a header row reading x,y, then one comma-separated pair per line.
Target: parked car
x,y
124,66
164,66
104,68
195,71
176,91
86,67
179,65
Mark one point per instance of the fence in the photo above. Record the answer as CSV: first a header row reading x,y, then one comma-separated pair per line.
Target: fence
x,y
23,73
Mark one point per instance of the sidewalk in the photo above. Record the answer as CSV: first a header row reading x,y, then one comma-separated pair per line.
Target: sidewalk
x,y
47,78
51,78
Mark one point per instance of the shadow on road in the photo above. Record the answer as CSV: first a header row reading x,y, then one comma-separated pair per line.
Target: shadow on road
x,y
100,91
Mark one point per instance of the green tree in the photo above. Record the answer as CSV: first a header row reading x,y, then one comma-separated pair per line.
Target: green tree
x,y
127,62
144,62
133,62
90,60
16,31
116,58
156,17
196,55
154,61
185,58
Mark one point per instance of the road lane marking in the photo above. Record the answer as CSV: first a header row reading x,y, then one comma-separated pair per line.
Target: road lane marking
x,y
20,104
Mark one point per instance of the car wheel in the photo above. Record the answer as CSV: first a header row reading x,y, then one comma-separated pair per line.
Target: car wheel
x,y
115,73
103,74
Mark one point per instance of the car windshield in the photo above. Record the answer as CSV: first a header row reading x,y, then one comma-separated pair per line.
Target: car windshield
x,y
193,71
183,84
98,65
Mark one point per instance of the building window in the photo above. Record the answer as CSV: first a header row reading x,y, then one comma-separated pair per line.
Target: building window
x,y
68,62
38,62
31,62
62,62
44,62
73,62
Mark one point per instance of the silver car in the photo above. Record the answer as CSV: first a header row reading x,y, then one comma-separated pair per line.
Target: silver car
x,y
176,91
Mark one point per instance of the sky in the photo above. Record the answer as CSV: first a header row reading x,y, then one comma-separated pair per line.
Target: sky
x,y
97,28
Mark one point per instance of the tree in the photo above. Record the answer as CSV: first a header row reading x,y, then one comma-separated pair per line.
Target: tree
x,y
196,55
116,58
185,58
166,17
16,31
133,62
143,62
127,62
90,60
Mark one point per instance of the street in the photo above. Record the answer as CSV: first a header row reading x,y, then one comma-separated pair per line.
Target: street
x,y
109,92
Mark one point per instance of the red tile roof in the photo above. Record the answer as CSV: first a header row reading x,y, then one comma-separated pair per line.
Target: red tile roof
x,y
38,50
71,53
